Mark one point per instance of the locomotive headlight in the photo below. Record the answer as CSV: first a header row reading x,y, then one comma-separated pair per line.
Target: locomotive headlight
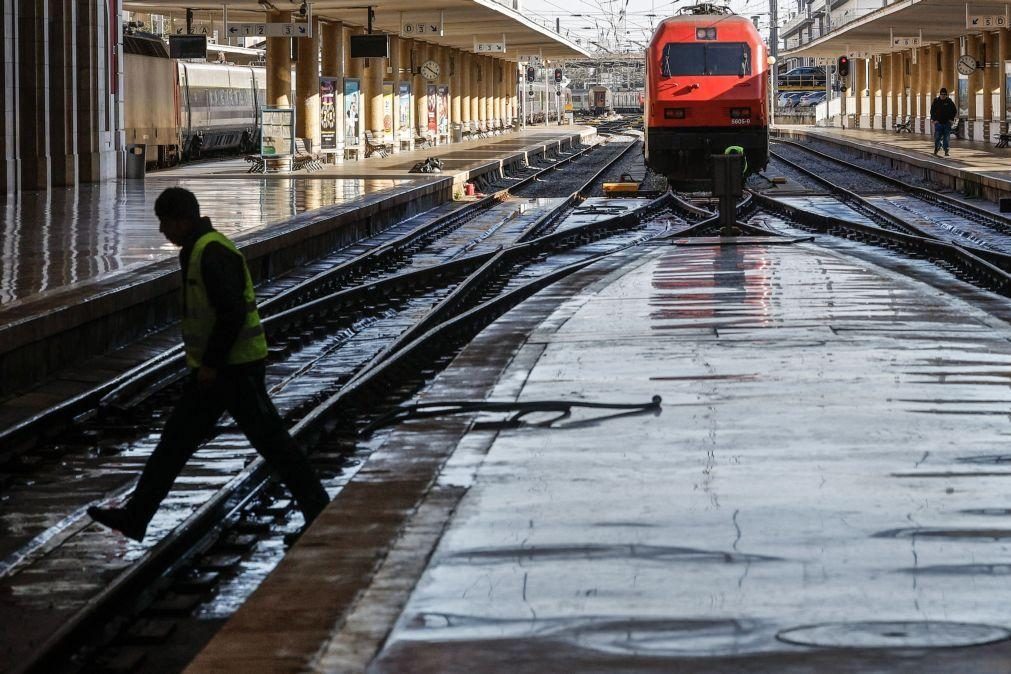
x,y
740,113
705,33
673,113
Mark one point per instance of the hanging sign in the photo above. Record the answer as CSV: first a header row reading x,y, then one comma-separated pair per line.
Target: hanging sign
x,y
533,60
489,47
905,42
986,21
859,54
269,30
415,27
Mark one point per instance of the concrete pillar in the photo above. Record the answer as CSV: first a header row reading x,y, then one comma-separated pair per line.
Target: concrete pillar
x,y
445,81
375,74
974,47
993,75
514,88
874,85
484,76
353,70
1003,47
401,73
32,63
307,87
893,89
466,78
63,92
420,89
332,65
857,87
489,88
279,65
475,92
8,104
500,99
456,100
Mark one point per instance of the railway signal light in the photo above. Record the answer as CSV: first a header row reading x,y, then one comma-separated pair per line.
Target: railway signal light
x,y
842,66
558,74
530,74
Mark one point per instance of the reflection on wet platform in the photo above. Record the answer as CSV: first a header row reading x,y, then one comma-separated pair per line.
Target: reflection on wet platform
x,y
58,238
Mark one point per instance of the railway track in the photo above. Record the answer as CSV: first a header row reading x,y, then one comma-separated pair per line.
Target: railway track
x,y
896,205
339,350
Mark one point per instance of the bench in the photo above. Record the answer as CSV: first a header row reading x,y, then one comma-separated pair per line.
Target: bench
x,y
906,125
256,163
375,146
423,139
304,158
1002,139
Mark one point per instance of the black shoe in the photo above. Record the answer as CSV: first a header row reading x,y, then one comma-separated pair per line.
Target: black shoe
x,y
936,151
945,153
118,519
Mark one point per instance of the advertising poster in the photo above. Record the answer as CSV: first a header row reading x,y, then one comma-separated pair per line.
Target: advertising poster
x,y
433,119
327,113
388,110
443,110
404,111
352,101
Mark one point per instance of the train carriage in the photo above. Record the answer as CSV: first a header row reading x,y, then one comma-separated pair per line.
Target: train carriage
x,y
706,91
601,100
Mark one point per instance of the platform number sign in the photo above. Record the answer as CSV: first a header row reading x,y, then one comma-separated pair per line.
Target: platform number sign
x,y
531,74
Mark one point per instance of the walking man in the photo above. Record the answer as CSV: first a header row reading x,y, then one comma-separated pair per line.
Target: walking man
x,y
942,113
226,352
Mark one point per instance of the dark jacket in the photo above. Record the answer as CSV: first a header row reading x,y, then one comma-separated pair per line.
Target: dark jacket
x,y
225,281
943,110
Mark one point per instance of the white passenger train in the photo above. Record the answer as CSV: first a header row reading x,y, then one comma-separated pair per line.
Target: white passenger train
x,y
180,109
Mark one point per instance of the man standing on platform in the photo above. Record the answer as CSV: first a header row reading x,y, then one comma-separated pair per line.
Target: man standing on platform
x,y
226,352
942,113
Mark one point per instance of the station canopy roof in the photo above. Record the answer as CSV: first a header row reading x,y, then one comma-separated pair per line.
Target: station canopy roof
x,y
934,20
464,22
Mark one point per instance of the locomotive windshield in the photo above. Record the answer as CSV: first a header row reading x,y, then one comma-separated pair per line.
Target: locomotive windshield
x,y
723,58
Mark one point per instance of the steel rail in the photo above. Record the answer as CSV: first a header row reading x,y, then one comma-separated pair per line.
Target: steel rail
x,y
957,206
996,258
967,262
166,367
369,385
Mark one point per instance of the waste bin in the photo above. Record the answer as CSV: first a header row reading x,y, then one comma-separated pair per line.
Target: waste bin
x,y
136,161
456,132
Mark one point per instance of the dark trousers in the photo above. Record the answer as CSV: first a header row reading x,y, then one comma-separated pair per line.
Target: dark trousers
x,y
942,132
241,391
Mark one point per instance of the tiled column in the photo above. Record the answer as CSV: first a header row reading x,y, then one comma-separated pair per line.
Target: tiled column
x,y
402,74
332,65
307,87
974,47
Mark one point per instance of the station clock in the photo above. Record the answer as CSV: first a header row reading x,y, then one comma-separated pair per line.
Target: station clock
x,y
430,70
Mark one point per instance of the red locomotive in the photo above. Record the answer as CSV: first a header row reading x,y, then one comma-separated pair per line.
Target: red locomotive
x,y
706,91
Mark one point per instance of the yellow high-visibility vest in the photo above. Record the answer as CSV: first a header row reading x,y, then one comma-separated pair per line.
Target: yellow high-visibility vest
x,y
199,316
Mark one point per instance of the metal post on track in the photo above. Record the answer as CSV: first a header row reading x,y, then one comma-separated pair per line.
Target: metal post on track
x,y
728,185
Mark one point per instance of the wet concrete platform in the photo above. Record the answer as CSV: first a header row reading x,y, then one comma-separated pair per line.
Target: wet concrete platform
x,y
975,167
70,259
824,490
